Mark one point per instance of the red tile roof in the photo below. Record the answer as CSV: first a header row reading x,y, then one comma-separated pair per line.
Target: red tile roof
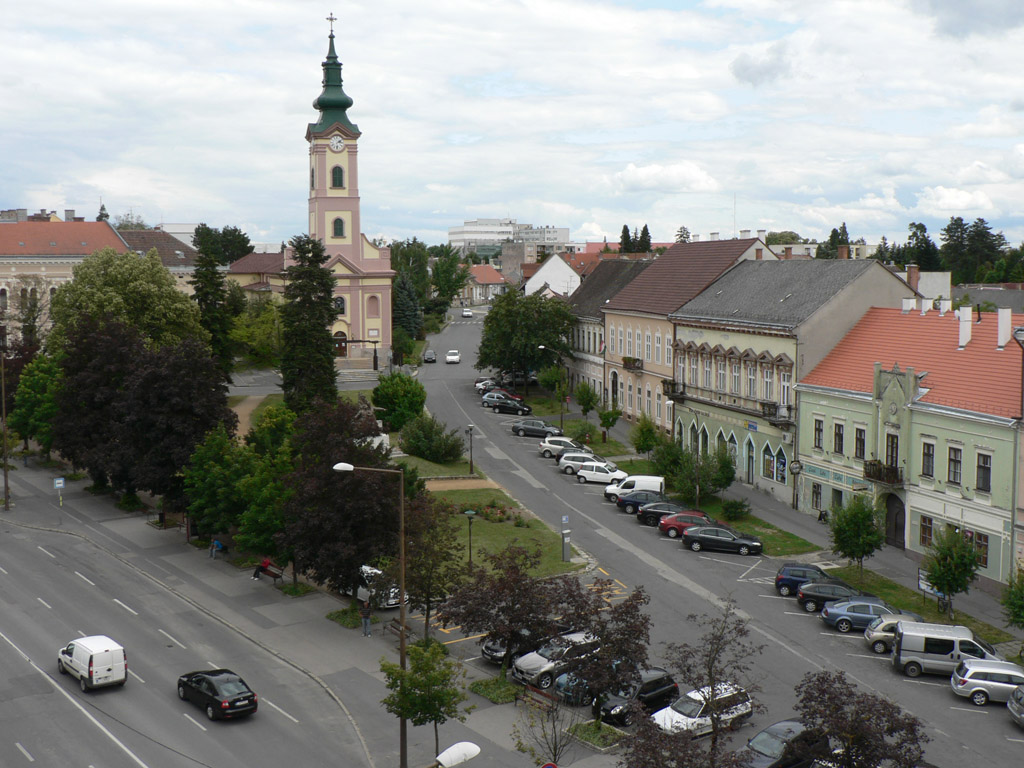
x,y
167,246
485,274
529,270
58,238
614,247
679,274
978,378
259,264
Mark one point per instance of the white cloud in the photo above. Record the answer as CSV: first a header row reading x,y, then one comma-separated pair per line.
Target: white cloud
x,y
678,177
943,201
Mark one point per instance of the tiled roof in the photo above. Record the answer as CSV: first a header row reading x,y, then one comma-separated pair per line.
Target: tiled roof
x,y
529,270
485,274
614,247
57,238
978,378
775,292
608,277
679,274
173,252
259,264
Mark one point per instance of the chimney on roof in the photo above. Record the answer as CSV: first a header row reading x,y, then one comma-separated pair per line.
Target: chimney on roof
x,y
1003,330
964,313
925,306
913,275
844,252
787,252
909,305
69,214
714,235
761,233
744,234
944,306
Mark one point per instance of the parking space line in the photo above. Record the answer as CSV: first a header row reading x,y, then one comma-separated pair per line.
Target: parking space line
x,y
1019,741
925,682
804,614
774,597
879,656
842,636
193,721
602,570
132,673
755,565
978,710
463,639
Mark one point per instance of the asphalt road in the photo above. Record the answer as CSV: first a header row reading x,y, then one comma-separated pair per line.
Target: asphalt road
x,y
681,583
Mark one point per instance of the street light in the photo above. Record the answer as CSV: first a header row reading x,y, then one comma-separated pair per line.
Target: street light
x,y
470,513
342,466
469,431
456,754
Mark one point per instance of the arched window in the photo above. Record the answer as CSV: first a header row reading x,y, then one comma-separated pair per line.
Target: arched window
x,y
693,437
23,298
3,298
657,402
780,466
337,177
703,440
629,390
373,306
768,463
339,304
629,342
732,447
53,292
339,227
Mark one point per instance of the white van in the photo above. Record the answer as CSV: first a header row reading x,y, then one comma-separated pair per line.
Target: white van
x,y
936,648
96,661
634,483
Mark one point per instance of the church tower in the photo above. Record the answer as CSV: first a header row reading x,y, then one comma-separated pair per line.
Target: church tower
x,y
362,271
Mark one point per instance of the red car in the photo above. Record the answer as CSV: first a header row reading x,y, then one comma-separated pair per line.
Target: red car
x,y
674,525
508,393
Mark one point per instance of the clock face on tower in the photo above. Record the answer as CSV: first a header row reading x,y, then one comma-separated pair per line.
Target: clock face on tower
x,y
337,143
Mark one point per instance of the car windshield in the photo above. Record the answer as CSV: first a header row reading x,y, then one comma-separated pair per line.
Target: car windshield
x,y
985,645
554,651
688,707
876,623
768,743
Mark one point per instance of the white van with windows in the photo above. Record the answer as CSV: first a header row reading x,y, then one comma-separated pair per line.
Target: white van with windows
x,y
634,483
96,661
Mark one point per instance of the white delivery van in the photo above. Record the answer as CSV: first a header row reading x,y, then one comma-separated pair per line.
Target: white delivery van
x,y
96,661
634,483
936,648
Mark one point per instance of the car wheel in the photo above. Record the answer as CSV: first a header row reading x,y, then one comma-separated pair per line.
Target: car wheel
x,y
568,469
60,667
520,431
580,479
844,625
785,590
695,546
181,691
522,412
544,681
651,520
979,698
83,685
672,533
630,509
627,719
880,646
744,550
913,669
211,713
546,454
497,410
811,606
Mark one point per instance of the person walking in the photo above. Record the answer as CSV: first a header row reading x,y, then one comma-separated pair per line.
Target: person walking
x,y
365,613
261,568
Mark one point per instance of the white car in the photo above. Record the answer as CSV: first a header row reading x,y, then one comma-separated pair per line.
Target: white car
x,y
467,312
691,712
453,356
598,472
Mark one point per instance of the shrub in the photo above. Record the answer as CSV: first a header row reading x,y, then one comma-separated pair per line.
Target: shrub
x,y
735,509
426,438
581,432
431,324
400,397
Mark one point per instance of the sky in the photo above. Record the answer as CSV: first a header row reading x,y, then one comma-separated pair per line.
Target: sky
x,y
720,116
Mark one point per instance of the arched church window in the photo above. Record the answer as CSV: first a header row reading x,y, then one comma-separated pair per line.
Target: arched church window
x,y
337,177
339,304
312,179
339,227
373,307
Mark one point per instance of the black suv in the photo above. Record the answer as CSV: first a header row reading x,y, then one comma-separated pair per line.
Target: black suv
x,y
656,690
813,595
631,502
792,575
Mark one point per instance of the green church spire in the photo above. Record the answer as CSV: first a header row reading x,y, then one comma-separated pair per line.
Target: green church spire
x,y
333,101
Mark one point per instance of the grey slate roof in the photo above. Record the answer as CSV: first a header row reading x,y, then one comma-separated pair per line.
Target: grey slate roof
x,y
606,279
780,293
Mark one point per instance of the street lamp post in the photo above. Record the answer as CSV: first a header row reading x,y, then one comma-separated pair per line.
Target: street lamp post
x,y
469,431
470,514
403,760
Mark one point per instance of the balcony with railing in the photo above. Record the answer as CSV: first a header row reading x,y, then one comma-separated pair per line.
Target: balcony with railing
x,y
674,390
879,472
778,415
633,363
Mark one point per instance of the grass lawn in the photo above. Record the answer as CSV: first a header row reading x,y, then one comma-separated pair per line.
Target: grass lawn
x,y
908,599
637,467
352,395
597,733
495,690
234,400
266,402
429,468
478,498
777,542
604,448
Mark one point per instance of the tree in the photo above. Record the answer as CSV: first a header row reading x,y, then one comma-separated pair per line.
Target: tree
x,y
256,332
608,419
216,249
261,526
1013,602
866,730
212,481
402,345
952,563
697,472
587,398
429,691
883,252
399,398
32,313
725,469
682,235
336,522
449,275
984,249
35,401
406,312
920,249
411,259
129,221
856,530
644,435
103,215
643,243
554,379
783,238
723,654
546,733
433,554
307,360
134,290
830,248
426,437
625,240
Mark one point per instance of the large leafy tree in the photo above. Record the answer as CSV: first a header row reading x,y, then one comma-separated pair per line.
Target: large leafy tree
x,y
1013,602
400,398
212,481
35,401
856,530
216,249
952,563
256,332
134,290
866,730
783,238
411,259
517,326
587,398
335,522
307,360
449,276
919,249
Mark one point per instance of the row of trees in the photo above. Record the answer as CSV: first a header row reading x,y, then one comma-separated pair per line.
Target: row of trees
x,y
638,242
427,280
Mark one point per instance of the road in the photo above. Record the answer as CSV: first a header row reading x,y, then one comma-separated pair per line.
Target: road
x,y
681,583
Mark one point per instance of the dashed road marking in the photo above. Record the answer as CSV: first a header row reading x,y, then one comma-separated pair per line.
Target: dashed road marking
x,y
194,722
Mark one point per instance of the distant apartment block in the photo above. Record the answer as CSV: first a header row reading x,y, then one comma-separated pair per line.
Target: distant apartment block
x,y
487,234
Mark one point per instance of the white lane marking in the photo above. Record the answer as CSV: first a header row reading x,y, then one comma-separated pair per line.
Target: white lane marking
x,y
774,597
75,703
130,672
25,752
46,553
3,571
265,701
841,636
172,639
878,656
44,603
755,565
978,710
925,682
90,583
133,613
804,614
1019,741
194,722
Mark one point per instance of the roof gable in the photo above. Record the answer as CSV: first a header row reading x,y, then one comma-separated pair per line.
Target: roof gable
x,y
608,277
485,274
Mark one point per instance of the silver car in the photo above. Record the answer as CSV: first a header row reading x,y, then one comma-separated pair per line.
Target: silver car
x,y
1015,704
984,680
559,655
571,461
881,632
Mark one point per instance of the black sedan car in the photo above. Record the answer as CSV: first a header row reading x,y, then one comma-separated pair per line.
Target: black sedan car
x,y
813,595
220,692
534,428
788,744
721,538
631,502
652,512
656,691
507,405
430,356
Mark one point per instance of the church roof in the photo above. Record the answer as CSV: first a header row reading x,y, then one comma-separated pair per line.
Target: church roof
x,y
57,238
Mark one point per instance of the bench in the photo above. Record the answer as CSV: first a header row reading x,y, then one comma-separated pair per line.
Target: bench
x,y
276,572
537,698
395,628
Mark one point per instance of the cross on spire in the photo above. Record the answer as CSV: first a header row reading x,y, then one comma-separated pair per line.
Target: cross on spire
x,y
332,18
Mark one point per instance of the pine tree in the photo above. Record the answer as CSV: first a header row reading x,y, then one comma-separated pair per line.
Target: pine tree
x,y
644,243
406,312
682,235
625,241
103,215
